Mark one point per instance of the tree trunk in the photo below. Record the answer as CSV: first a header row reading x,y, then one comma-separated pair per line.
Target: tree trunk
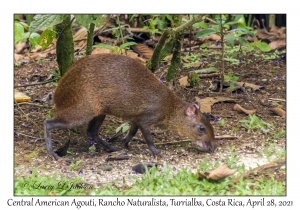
x,y
64,45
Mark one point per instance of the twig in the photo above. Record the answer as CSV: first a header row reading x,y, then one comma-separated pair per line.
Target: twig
x,y
40,83
33,104
276,99
34,137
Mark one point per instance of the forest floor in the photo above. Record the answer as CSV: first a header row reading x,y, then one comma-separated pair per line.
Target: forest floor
x,y
252,148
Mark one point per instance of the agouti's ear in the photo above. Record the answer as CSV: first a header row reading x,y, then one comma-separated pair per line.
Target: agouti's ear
x,y
191,110
197,105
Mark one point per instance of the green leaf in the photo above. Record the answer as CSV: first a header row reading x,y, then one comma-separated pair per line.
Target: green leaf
x,y
46,21
86,20
242,31
206,32
230,39
19,32
242,40
127,44
264,47
207,70
169,17
46,38
106,46
200,24
33,40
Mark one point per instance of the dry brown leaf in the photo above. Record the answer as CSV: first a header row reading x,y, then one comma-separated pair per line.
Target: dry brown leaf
x,y
278,44
18,57
144,50
245,84
19,46
218,174
183,81
214,37
37,49
184,59
238,108
81,34
206,103
100,51
21,97
132,55
36,56
278,111
103,39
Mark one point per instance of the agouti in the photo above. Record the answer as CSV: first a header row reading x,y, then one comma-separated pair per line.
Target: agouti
x,y
109,84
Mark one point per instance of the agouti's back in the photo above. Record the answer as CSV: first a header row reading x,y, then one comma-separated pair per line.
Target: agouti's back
x,y
117,85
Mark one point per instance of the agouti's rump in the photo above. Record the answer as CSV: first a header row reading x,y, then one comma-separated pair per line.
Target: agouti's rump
x,y
108,84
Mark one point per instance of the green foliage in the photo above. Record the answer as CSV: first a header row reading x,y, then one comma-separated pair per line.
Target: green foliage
x,y
46,38
18,32
37,184
256,124
207,70
157,23
222,122
232,79
42,22
195,80
124,127
56,74
116,49
264,47
75,165
87,19
281,133
20,35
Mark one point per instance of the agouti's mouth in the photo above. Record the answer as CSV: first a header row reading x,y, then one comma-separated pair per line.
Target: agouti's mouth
x,y
206,146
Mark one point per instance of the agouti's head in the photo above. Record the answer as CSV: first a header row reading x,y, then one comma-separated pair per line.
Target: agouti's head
x,y
196,126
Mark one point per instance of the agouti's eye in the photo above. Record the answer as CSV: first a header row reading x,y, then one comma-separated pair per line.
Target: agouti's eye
x,y
201,128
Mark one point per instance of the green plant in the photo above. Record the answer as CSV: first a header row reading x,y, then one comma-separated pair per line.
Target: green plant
x,y
194,80
222,122
55,74
157,23
231,79
75,165
38,184
281,133
115,49
256,124
21,33
124,127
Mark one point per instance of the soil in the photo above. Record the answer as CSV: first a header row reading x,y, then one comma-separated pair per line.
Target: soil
x,y
250,146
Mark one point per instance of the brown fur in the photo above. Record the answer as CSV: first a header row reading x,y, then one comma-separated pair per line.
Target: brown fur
x,y
109,84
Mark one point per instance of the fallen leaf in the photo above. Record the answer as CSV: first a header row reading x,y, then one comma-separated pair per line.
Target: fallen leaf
x,y
184,81
100,51
218,174
21,97
81,34
18,57
144,50
278,111
238,108
19,46
206,103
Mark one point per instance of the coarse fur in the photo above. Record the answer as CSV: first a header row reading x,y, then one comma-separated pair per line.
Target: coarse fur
x,y
109,84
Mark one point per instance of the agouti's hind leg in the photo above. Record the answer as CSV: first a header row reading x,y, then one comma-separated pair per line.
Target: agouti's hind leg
x,y
93,129
131,133
48,126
